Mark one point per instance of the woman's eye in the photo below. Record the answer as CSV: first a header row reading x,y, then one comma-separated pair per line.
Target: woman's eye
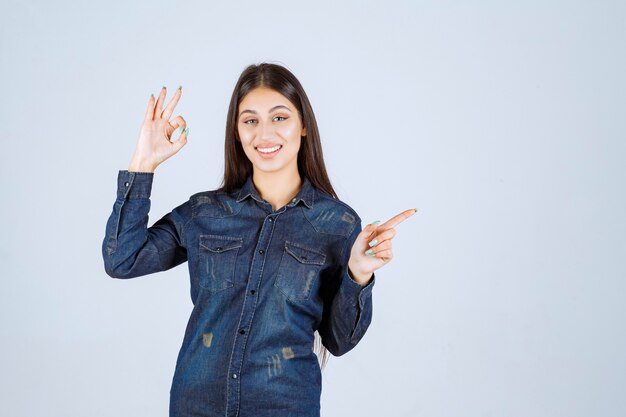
x,y
280,117
249,120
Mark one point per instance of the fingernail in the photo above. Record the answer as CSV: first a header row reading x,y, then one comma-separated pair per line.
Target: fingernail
x,y
371,255
367,252
415,210
373,242
187,132
163,88
375,222
180,87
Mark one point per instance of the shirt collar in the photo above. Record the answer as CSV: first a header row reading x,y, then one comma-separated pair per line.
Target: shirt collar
x,y
306,193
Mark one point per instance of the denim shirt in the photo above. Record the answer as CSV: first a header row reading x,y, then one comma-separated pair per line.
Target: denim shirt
x,y
262,282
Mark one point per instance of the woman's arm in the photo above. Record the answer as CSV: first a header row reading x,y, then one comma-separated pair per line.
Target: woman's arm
x,y
130,248
348,315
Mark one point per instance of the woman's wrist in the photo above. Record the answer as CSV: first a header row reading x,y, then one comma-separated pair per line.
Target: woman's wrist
x,y
141,166
361,279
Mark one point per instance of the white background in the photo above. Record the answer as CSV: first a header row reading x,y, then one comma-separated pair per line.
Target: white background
x,y
503,124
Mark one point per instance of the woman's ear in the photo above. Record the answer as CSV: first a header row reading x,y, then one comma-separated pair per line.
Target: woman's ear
x,y
303,132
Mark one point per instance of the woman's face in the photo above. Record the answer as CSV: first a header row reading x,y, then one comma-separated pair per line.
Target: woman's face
x,y
270,128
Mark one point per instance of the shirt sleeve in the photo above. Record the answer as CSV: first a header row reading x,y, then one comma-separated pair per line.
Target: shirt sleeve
x,y
350,312
131,249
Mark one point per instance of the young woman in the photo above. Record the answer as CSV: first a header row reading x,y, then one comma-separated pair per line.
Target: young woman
x,y
275,258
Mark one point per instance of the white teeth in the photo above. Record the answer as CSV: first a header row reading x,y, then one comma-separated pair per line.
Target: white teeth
x,y
269,150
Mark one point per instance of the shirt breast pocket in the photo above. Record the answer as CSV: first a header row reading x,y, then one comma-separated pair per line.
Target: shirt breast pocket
x,y
217,257
299,268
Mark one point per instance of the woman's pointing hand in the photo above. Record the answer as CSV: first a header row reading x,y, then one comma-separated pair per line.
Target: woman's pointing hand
x,y
154,145
372,247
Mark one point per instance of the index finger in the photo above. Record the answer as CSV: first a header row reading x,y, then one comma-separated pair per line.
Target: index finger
x,y
397,219
169,109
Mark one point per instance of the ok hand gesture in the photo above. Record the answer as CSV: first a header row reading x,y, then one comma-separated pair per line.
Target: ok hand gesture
x,y
154,145
372,247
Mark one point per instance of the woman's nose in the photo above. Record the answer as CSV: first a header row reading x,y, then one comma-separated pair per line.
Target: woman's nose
x,y
267,131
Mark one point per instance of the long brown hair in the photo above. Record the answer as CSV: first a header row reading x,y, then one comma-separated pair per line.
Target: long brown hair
x,y
237,166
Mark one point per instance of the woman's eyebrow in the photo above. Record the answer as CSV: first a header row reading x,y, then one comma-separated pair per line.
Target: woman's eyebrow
x,y
271,110
280,106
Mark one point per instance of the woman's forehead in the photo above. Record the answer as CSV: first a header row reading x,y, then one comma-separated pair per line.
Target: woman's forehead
x,y
264,98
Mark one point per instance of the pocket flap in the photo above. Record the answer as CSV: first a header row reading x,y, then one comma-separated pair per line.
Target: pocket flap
x,y
219,243
304,255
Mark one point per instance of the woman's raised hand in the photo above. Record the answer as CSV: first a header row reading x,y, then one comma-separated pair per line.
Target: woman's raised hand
x,y
154,145
372,247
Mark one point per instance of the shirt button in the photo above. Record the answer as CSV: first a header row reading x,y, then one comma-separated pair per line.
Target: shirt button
x,y
270,220
252,292
261,251
126,184
235,376
242,331
293,200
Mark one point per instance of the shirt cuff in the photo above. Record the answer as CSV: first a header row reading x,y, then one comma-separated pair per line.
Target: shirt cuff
x,y
354,292
131,184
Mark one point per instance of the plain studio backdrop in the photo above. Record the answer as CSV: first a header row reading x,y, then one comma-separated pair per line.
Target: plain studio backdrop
x,y
502,123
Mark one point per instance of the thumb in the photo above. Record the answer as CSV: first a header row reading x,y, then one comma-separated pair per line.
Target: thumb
x,y
369,230
181,141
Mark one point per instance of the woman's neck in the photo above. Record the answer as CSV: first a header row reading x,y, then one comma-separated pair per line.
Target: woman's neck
x,y
277,188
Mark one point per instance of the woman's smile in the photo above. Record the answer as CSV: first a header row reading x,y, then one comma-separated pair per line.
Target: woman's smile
x,y
269,152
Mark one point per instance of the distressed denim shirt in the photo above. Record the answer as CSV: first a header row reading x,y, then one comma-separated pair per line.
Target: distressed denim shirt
x,y
262,282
